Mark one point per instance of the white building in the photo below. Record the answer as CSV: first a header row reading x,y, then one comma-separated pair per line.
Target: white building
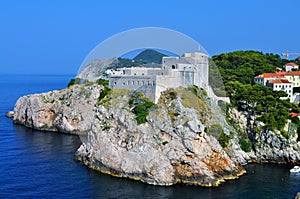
x,y
282,85
291,66
265,77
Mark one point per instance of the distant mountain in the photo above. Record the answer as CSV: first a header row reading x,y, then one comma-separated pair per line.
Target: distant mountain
x,y
150,56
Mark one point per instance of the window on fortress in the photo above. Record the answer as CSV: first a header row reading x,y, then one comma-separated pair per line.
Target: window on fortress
x,y
173,66
132,82
134,73
115,83
138,82
142,73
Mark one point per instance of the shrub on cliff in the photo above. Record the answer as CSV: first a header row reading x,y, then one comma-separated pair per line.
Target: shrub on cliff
x,y
79,81
74,81
106,89
245,145
141,106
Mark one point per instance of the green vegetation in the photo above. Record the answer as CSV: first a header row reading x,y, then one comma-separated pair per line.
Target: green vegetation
x,y
243,66
45,100
238,70
106,89
224,139
296,122
193,98
246,145
74,81
141,106
262,102
79,81
217,131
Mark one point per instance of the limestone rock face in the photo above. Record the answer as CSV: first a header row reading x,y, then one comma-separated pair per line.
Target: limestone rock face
x,y
268,146
69,110
171,147
162,151
271,146
96,68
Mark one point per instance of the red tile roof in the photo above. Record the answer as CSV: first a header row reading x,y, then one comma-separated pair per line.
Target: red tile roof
x,y
294,114
291,64
279,81
289,73
270,75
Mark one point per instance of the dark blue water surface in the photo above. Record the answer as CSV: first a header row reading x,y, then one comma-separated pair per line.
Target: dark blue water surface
x,y
36,164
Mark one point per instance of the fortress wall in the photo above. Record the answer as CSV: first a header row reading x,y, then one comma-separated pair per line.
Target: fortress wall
x,y
187,78
146,84
156,72
171,62
165,82
140,71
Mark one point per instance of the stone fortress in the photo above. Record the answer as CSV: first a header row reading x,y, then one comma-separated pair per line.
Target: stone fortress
x,y
189,69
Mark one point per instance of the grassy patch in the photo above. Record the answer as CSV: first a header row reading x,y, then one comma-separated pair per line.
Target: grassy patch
x,y
217,131
191,99
224,139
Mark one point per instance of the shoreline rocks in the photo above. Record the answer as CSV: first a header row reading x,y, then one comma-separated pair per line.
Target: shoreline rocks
x,y
9,114
171,147
267,146
69,110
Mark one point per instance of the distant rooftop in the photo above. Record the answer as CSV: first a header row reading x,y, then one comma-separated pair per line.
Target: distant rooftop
x,y
279,81
291,64
270,75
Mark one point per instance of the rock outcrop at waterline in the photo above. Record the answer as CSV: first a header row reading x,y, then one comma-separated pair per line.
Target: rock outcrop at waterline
x,y
267,146
69,110
171,147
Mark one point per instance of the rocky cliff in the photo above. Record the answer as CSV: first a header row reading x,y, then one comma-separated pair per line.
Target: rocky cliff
x,y
171,147
267,146
178,143
69,110
96,69
174,145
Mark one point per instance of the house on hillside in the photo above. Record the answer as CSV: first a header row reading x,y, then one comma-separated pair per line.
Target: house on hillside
x,y
285,81
265,77
291,66
281,85
292,76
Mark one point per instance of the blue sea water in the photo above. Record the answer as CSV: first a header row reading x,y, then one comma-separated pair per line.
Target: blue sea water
x,y
35,164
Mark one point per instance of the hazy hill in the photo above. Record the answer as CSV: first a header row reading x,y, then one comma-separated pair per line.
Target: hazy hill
x,y
150,56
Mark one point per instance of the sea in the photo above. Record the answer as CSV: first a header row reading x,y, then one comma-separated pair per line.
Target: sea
x,y
36,164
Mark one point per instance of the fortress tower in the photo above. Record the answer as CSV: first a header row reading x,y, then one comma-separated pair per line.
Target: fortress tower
x,y
189,69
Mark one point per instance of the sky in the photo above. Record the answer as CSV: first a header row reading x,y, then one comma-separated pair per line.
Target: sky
x,y
55,36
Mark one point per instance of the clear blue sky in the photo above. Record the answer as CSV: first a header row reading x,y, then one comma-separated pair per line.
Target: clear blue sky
x,y
54,36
